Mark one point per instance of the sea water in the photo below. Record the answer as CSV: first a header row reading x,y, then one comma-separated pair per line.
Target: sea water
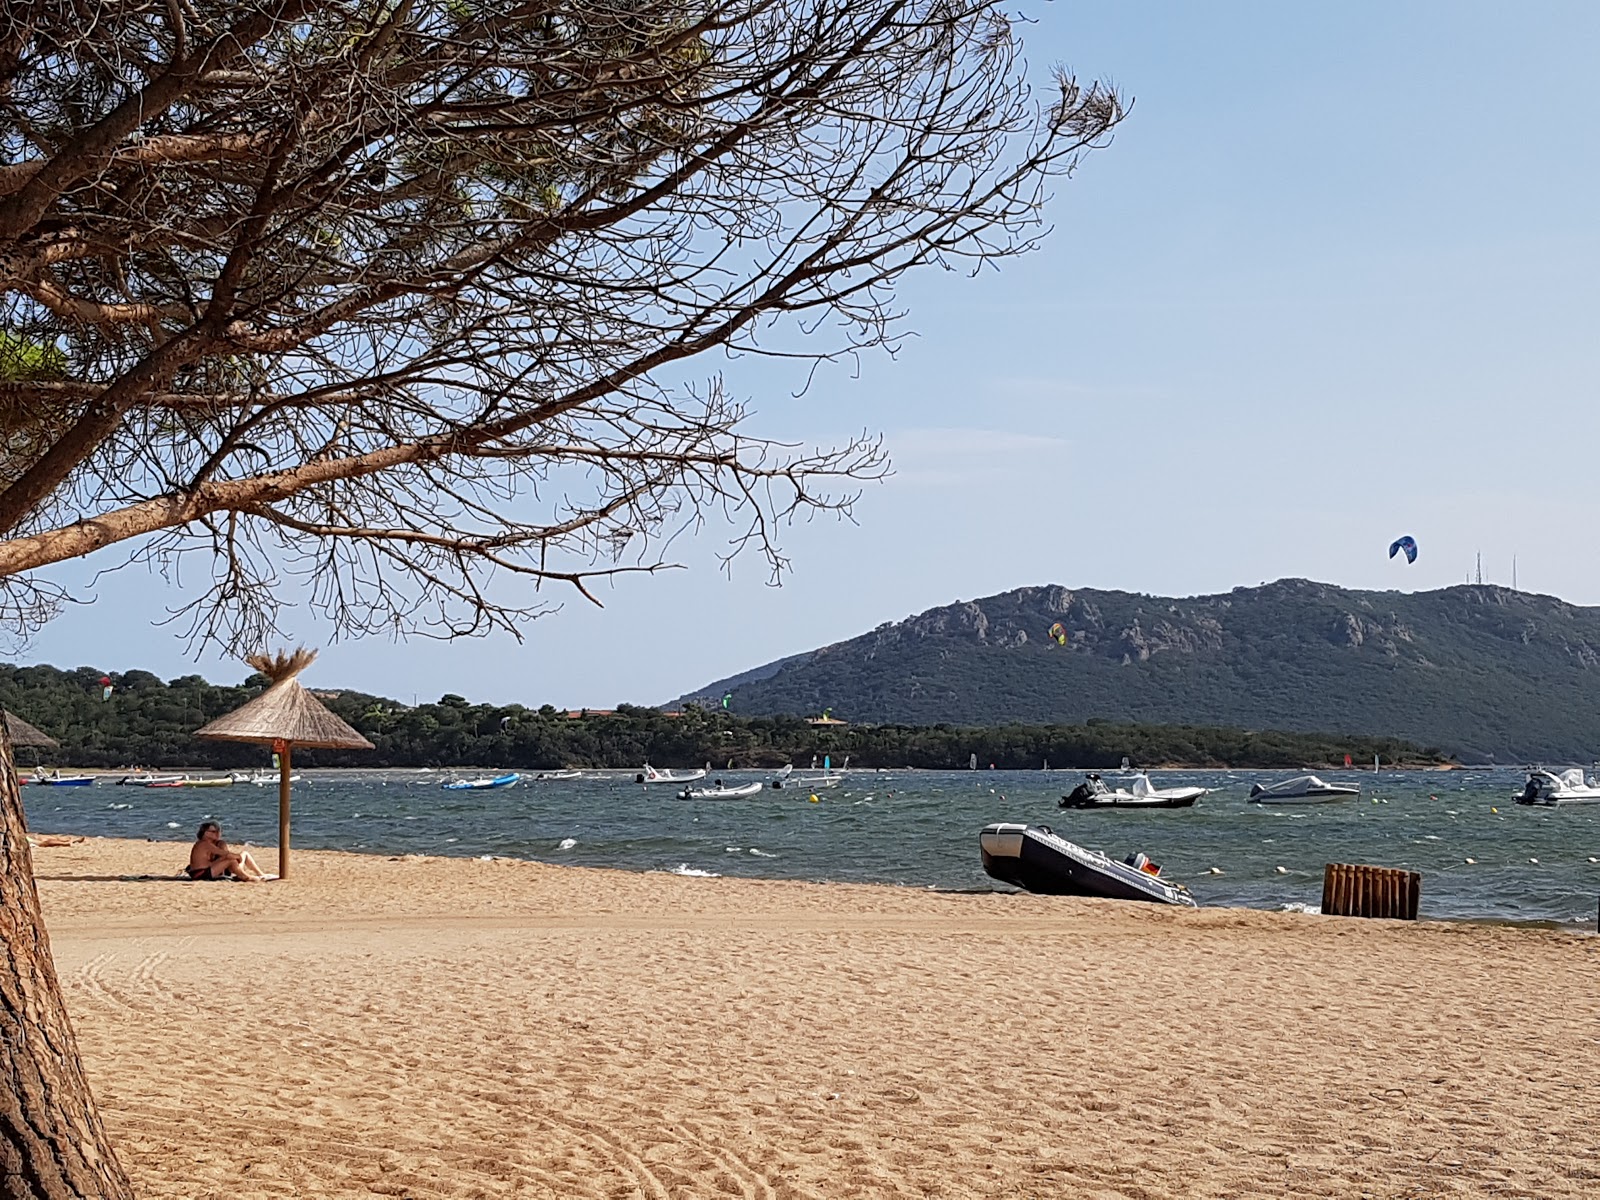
x,y
1482,857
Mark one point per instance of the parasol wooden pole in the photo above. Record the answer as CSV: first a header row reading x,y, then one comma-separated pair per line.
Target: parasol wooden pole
x,y
283,812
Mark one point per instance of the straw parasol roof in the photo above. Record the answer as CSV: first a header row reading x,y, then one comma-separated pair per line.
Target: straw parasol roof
x,y
23,734
285,712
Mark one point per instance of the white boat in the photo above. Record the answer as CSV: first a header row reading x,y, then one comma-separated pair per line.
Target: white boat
x,y
721,792
814,783
1140,793
651,775
559,775
259,778
146,778
1302,789
1550,789
829,778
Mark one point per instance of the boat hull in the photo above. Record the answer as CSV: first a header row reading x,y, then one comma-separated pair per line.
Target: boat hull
x,y
480,785
1127,800
1036,859
1328,797
735,793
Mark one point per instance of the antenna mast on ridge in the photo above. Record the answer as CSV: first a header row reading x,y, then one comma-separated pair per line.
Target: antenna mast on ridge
x,y
1479,579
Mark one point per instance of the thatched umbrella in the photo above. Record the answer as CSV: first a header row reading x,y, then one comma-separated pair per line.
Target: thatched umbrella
x,y
23,734
283,716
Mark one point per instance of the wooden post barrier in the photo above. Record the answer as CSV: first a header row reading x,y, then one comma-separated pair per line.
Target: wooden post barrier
x,y
1351,890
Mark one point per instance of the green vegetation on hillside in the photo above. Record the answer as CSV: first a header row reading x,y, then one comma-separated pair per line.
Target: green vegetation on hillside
x,y
1482,671
151,723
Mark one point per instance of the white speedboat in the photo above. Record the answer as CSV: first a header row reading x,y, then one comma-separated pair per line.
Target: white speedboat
x,y
1551,789
559,775
1140,793
829,778
259,778
1302,789
721,792
146,778
651,775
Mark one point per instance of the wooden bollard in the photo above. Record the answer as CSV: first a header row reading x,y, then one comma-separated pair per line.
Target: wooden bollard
x,y
1353,890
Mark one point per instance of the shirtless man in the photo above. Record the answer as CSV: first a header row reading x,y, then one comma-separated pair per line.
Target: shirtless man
x,y
211,858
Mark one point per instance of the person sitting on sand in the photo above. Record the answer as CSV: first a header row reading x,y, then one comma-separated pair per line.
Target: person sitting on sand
x,y
211,858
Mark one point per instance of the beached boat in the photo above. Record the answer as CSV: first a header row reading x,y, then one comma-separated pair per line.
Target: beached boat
x,y
651,775
1302,789
1035,858
148,778
474,785
1093,793
1552,790
57,779
721,792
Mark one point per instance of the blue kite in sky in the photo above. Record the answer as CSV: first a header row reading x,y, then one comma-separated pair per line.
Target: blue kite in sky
x,y
1408,544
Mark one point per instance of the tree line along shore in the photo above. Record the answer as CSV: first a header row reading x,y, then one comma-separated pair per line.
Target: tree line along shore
x,y
149,721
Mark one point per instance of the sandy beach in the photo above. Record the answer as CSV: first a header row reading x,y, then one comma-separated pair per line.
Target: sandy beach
x,y
431,1027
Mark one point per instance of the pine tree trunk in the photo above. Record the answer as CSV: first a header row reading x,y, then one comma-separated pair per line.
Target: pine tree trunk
x,y
52,1144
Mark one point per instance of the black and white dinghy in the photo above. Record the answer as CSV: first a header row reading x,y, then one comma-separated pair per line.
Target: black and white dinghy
x,y
1140,793
1036,859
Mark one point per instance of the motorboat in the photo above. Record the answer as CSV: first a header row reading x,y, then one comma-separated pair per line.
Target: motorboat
x,y
1140,793
721,792
651,775
57,779
559,775
259,778
1302,789
146,778
1552,789
223,781
1037,859
478,785
829,778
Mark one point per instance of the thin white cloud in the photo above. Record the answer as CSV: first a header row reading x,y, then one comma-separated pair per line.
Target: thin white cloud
x,y
943,456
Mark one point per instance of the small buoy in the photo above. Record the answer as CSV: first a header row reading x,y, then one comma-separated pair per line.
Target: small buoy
x,y
1533,860
814,799
1282,870
1469,860
1493,809
1214,871
1592,858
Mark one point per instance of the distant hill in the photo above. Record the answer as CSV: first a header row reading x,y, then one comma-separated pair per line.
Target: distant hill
x,y
1477,671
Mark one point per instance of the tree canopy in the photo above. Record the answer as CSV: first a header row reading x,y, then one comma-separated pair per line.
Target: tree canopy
x,y
406,298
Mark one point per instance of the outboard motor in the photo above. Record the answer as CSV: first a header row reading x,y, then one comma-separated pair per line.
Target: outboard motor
x,y
1080,797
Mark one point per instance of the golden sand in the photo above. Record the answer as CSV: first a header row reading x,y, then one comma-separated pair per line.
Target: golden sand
x,y
432,1027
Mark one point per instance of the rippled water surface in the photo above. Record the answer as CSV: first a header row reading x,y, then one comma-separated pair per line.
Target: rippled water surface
x,y
919,829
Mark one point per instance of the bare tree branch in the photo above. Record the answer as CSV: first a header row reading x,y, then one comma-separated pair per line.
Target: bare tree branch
x,y
404,299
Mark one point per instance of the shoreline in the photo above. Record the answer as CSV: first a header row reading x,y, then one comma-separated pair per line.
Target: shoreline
x,y
267,855
436,1027
531,774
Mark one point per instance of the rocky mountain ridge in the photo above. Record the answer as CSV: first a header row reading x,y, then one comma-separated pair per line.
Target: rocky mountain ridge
x,y
1478,670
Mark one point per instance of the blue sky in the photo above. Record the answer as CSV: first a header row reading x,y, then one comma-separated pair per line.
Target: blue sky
x,y
1337,279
